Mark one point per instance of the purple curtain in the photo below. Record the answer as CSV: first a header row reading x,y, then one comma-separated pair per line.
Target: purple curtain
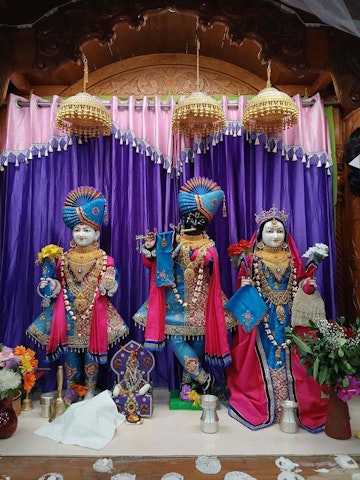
x,y
142,195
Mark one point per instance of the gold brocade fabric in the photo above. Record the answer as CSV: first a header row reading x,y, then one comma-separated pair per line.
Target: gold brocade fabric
x,y
276,260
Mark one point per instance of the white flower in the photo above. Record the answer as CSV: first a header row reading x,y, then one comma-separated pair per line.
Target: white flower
x,y
9,380
319,251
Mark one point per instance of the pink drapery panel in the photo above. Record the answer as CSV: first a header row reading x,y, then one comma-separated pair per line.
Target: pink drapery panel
x,y
311,132
30,130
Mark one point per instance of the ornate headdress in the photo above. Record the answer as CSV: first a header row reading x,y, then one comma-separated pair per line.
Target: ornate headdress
x,y
200,194
266,215
84,205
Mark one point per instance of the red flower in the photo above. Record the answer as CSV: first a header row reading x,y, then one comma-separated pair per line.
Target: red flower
x,y
243,246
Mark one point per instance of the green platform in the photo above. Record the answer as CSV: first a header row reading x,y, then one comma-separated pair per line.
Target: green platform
x,y
177,403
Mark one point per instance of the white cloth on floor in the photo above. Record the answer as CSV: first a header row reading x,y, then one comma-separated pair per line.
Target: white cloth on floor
x,y
89,423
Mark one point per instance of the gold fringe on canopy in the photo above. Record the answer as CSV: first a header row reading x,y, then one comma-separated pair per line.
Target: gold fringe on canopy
x,y
198,115
270,110
83,114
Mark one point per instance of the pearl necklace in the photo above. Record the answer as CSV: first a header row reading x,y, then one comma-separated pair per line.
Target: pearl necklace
x,y
279,346
86,314
190,268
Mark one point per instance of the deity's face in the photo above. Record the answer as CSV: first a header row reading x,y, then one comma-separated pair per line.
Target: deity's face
x,y
195,223
273,233
84,235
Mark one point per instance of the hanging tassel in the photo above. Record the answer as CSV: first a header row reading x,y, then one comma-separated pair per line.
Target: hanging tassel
x,y
224,211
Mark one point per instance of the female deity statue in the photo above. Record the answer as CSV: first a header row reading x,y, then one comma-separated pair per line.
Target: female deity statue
x,y
186,304
264,371
78,319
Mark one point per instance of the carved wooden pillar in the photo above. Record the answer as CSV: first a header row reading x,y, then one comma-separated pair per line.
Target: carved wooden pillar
x,y
350,235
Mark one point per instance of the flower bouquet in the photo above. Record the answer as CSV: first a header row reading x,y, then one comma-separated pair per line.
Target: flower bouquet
x,y
330,351
47,257
17,370
316,254
238,251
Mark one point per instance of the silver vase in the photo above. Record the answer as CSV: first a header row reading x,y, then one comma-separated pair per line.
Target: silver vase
x,y
209,421
288,417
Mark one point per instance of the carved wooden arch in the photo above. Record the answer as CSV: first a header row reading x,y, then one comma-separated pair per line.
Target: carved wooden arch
x,y
168,74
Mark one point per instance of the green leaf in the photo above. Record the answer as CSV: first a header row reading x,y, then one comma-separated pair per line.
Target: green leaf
x,y
305,348
345,382
323,375
340,352
316,368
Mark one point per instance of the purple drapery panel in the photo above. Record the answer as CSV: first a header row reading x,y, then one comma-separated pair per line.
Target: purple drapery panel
x,y
142,195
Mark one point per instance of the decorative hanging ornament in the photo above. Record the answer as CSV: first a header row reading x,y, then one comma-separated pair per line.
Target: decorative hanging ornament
x,y
83,115
270,110
198,115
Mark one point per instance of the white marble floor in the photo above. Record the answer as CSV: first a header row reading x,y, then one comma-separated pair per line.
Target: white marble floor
x,y
177,433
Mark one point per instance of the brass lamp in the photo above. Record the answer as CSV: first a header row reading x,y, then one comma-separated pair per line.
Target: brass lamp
x,y
198,115
270,110
83,115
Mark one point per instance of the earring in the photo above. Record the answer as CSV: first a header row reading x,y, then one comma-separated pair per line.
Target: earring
x,y
260,245
72,244
95,244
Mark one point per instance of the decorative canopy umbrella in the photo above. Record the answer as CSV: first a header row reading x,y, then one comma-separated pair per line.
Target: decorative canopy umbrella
x,y
198,115
270,110
83,115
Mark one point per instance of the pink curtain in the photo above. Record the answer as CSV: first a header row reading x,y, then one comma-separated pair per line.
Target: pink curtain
x,y
29,130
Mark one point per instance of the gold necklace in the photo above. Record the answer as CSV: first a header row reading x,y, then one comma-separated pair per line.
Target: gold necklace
x,y
276,259
279,298
193,241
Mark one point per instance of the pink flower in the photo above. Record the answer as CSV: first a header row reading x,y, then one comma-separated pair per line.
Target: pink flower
x,y
7,358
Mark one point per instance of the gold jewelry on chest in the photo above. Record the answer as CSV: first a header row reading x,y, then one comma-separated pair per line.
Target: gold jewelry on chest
x,y
276,260
193,241
81,261
83,283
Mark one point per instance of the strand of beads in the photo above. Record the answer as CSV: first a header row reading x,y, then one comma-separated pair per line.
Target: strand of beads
x,y
197,289
177,296
279,346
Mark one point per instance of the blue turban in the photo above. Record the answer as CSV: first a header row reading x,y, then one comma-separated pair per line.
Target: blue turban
x,y
200,194
84,205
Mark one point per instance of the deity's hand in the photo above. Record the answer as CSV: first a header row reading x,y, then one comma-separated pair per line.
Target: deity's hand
x,y
111,292
245,281
53,285
108,284
309,285
150,239
148,247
